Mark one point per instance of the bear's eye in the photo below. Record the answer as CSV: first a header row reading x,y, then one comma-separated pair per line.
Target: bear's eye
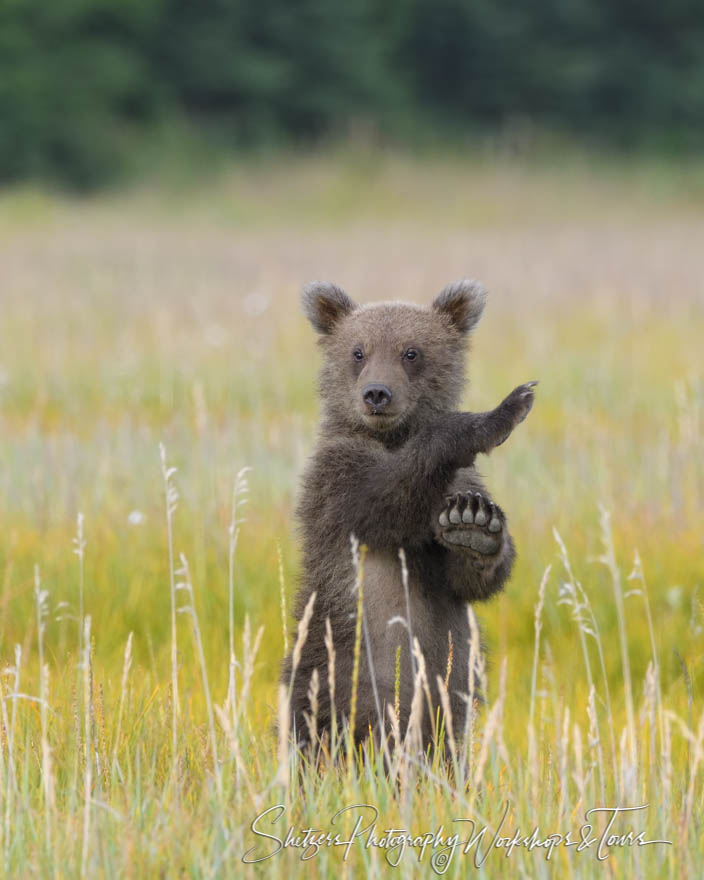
x,y
358,354
411,354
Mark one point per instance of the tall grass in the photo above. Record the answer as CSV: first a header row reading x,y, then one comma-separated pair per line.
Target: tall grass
x,y
142,726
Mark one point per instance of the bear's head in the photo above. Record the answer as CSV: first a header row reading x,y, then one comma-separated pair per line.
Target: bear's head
x,y
391,367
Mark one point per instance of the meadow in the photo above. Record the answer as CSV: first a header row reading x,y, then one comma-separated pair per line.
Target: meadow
x,y
157,404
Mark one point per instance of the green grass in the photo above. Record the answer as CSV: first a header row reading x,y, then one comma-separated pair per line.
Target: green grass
x,y
171,316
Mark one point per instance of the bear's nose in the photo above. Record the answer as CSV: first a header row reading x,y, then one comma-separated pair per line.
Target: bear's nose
x,y
377,396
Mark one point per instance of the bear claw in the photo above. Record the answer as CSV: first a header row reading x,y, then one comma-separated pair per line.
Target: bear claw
x,y
480,518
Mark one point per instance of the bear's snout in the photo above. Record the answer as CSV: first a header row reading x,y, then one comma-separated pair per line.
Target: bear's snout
x,y
376,396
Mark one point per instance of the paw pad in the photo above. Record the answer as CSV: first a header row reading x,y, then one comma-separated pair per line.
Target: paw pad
x,y
471,520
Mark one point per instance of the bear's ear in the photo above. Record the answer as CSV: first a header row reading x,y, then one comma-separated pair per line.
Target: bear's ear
x,y
462,302
324,304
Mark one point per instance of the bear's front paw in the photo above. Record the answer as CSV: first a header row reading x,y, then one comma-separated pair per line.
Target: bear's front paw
x,y
516,407
472,521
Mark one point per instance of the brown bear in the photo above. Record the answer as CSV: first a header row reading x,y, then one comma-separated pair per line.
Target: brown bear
x,y
394,467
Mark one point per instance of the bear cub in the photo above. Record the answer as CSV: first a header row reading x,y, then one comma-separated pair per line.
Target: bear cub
x,y
394,466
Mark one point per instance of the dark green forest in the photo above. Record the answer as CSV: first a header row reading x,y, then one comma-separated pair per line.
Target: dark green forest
x,y
85,83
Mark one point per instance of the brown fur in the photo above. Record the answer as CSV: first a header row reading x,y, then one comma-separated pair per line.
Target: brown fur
x,y
398,476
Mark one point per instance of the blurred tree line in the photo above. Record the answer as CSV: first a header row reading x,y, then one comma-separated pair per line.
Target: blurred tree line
x,y
84,82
